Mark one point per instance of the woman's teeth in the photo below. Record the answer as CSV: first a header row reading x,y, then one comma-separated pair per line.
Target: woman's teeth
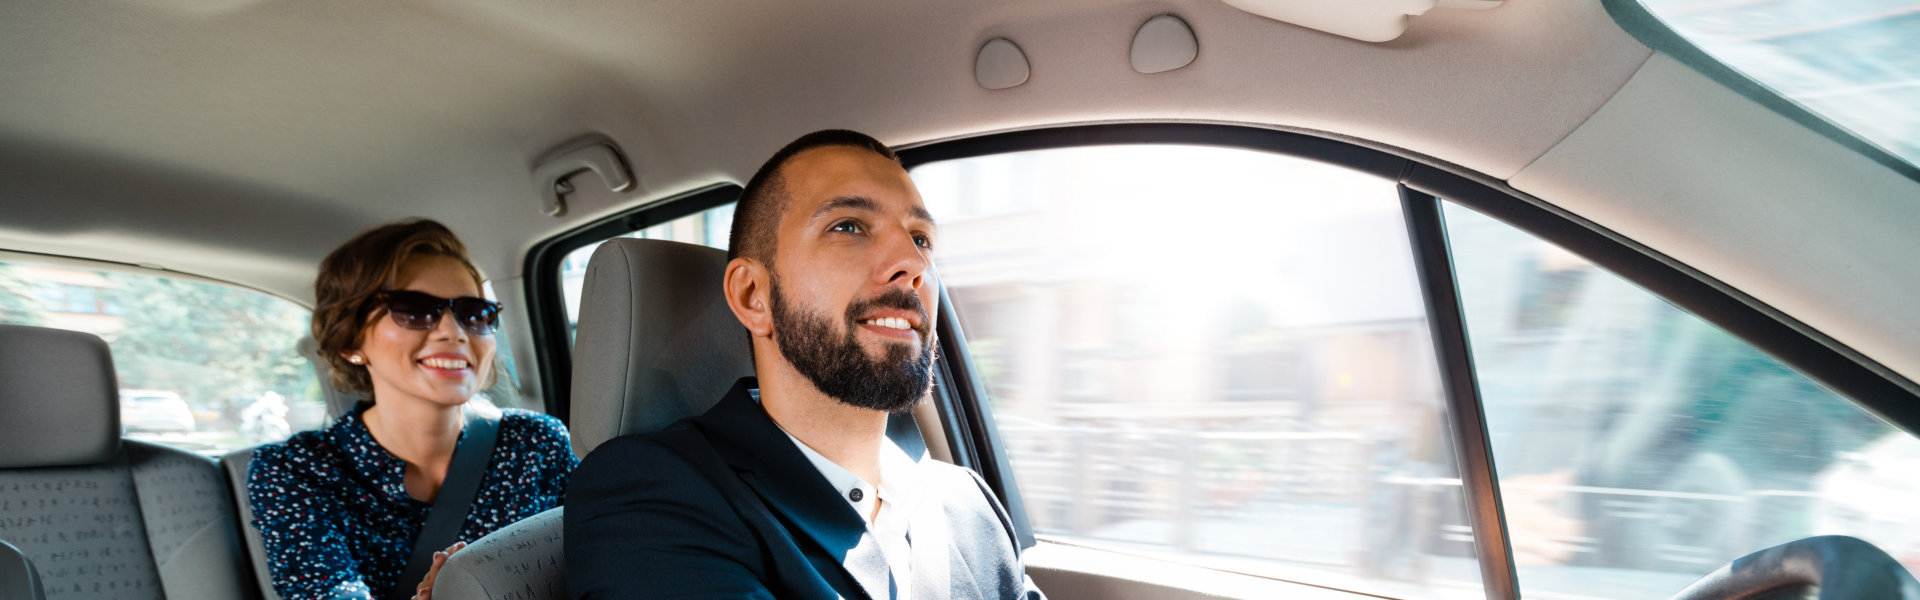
x,y
444,363
889,322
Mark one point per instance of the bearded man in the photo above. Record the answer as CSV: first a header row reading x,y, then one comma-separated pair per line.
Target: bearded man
x,y
789,487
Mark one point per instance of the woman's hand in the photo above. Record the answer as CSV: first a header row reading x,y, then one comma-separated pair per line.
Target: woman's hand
x,y
424,591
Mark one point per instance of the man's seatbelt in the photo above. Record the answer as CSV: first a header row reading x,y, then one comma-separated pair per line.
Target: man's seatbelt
x,y
450,507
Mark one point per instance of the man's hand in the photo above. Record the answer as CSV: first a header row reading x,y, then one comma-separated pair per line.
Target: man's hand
x,y
424,591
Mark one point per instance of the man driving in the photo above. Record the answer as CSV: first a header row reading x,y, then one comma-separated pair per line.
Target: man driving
x,y
790,487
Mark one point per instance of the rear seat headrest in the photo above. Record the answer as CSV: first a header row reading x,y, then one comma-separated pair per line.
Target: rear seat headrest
x,y
59,398
656,342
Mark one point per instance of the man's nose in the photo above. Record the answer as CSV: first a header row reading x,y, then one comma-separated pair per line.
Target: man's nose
x,y
907,262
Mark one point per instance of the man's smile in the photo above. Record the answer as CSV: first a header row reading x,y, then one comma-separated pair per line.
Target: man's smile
x,y
892,324
890,329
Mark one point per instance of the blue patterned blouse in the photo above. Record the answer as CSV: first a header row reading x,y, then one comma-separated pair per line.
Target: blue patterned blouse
x,y
335,518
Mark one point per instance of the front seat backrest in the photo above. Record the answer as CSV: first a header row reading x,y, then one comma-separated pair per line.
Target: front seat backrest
x,y
653,325
18,578
102,517
524,561
656,342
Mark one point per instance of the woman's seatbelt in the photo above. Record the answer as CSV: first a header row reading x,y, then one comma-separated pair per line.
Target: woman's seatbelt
x,y
454,501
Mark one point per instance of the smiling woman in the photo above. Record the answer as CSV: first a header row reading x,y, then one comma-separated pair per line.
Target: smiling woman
x,y
399,318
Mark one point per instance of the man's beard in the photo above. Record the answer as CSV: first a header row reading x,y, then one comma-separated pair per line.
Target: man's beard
x,y
841,368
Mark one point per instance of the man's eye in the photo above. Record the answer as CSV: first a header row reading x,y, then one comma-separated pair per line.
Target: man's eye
x,y
923,241
847,227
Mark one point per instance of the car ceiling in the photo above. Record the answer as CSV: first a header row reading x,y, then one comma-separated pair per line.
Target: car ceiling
x,y
243,139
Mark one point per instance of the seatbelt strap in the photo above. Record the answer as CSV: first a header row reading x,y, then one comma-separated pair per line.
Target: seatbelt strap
x,y
450,507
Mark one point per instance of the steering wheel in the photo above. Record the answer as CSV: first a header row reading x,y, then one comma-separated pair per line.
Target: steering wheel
x,y
1828,567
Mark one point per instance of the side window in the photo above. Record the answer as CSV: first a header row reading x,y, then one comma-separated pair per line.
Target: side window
x,y
1215,356
1640,447
708,228
203,367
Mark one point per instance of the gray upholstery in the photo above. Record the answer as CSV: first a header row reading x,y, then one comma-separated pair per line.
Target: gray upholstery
x,y
656,343
190,522
60,398
235,464
18,579
82,528
152,522
100,517
647,331
653,326
523,560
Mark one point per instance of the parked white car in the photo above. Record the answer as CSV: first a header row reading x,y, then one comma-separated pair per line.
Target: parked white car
x,y
154,410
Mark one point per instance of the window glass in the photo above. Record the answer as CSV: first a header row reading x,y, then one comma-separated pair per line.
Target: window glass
x,y
1850,61
707,228
1640,447
1214,356
204,367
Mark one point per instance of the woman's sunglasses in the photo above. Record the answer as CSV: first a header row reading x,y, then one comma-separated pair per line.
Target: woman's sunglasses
x,y
421,311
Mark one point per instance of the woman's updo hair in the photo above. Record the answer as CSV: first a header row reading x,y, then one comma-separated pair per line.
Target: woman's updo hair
x,y
364,266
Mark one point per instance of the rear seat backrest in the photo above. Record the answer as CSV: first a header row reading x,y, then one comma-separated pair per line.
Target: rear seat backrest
x,y
235,464
98,516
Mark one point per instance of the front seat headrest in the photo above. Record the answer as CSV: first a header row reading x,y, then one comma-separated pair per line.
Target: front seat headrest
x,y
60,398
656,342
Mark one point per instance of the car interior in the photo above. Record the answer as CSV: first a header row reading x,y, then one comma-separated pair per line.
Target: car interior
x,y
1241,298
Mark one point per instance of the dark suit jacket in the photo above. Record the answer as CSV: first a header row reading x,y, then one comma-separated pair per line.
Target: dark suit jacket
x,y
724,505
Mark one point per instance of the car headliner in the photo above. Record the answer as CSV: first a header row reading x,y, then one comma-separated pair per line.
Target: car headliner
x,y
243,139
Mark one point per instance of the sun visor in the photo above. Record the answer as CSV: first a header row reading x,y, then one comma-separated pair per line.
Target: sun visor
x,y
1365,20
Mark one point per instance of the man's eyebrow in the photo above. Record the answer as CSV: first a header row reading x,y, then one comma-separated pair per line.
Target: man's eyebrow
x,y
863,203
853,202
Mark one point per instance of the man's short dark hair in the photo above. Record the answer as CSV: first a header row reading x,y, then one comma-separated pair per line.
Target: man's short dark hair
x,y
757,217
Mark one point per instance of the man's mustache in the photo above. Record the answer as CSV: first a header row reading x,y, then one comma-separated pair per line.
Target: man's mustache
x,y
893,298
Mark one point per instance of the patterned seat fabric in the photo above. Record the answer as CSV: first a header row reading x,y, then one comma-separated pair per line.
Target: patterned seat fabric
x,y
522,561
98,516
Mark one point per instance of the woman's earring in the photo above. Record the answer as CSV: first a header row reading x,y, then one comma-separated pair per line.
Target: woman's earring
x,y
356,359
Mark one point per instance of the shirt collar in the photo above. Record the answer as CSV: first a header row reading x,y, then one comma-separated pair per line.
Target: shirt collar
x,y
899,476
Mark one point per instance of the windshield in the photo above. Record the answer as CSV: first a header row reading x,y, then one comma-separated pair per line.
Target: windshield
x,y
1850,61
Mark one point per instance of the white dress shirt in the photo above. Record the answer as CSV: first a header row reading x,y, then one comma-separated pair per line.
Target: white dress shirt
x,y
896,496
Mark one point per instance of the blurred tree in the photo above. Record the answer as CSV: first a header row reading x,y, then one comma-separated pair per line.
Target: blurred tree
x,y
18,303
208,342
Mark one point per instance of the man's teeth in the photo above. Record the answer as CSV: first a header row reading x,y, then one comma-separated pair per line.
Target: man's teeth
x,y
444,363
889,322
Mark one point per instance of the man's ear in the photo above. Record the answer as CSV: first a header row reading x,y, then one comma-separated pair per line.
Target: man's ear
x,y
749,289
